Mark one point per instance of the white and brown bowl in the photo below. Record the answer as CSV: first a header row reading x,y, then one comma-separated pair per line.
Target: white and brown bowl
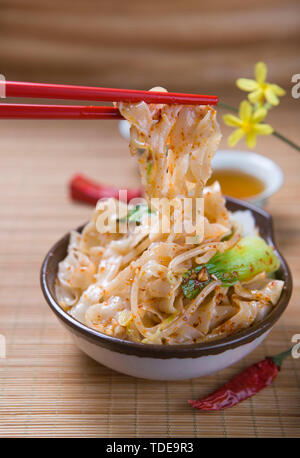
x,y
170,362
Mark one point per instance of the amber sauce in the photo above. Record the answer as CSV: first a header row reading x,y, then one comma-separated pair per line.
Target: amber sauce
x,y
238,184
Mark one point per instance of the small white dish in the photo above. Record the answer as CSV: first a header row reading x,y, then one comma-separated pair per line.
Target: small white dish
x,y
254,164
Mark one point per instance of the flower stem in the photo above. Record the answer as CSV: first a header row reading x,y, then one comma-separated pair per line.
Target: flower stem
x,y
286,140
275,133
227,107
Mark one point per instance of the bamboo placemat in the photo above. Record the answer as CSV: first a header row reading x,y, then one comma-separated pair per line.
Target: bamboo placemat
x,y
47,386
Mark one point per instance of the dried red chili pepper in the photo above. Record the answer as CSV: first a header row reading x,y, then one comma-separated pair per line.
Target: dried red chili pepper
x,y
244,385
82,189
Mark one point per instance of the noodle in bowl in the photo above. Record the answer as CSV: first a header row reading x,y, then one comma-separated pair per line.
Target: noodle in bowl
x,y
178,276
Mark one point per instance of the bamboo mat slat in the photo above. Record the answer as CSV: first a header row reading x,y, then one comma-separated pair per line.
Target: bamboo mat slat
x,y
47,386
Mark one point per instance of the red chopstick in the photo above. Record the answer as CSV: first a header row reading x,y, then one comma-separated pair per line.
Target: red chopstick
x,y
63,91
24,111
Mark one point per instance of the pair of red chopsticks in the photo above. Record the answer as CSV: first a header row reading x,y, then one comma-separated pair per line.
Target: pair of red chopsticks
x,y
99,94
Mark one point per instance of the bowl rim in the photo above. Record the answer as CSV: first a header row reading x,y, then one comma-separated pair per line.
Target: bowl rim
x,y
184,350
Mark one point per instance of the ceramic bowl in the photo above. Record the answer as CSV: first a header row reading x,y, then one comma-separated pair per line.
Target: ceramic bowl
x,y
173,362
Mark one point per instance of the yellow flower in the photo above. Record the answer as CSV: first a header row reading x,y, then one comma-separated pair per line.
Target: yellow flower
x,y
260,89
248,124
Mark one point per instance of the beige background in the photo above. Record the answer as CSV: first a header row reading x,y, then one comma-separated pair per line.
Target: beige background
x,y
47,387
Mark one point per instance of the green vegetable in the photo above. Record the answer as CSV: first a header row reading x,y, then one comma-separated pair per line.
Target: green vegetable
x,y
149,168
194,281
136,214
141,151
227,237
249,257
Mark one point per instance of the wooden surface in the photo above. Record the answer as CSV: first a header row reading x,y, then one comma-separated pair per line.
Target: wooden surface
x,y
47,386
183,45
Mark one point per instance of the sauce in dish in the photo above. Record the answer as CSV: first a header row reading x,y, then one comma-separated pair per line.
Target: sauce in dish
x,y
236,183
